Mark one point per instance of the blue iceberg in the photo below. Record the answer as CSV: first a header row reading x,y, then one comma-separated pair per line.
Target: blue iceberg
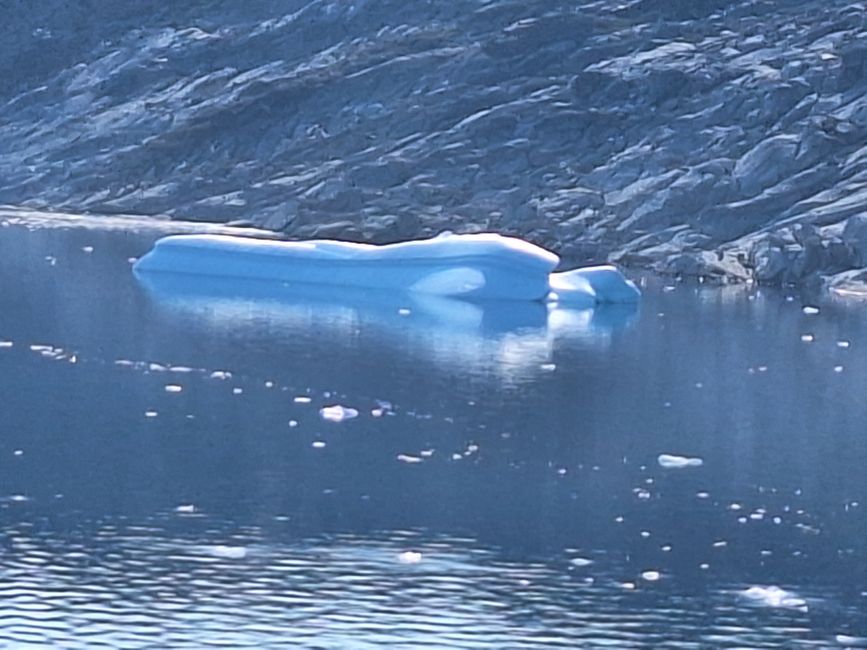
x,y
477,267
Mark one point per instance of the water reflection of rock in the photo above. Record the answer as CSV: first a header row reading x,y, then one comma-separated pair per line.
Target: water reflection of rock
x,y
507,337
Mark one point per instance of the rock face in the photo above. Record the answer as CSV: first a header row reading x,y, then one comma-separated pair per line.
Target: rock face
x,y
703,137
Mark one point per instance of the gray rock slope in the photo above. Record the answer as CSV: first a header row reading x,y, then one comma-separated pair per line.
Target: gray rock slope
x,y
700,137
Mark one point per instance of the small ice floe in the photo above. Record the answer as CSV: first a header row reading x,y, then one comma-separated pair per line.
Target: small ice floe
x,y
337,413
807,338
293,423
651,576
848,640
221,374
580,562
774,596
406,458
318,444
151,414
838,368
404,311
173,388
843,344
237,391
409,557
227,552
670,461
157,367
186,509
182,369
302,399
87,249
810,310
18,452
6,344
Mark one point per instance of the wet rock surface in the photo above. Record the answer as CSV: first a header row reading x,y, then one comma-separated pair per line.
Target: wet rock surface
x,y
709,137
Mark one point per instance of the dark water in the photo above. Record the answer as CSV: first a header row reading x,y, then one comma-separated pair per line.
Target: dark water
x,y
499,487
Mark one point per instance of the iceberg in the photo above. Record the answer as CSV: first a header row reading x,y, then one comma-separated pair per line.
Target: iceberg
x,y
592,285
484,266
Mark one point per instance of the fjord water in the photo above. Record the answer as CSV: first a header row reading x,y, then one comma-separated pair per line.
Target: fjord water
x,y
168,478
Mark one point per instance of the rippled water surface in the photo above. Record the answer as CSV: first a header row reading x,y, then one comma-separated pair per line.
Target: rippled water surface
x,y
169,477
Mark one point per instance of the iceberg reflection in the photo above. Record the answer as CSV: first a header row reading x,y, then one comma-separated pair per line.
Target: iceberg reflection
x,y
500,336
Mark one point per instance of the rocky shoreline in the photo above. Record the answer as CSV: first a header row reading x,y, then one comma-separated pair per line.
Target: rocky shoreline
x,y
723,139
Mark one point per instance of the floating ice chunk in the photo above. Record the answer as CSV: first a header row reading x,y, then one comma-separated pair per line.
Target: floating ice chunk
x,y
173,388
475,266
651,576
774,597
845,639
480,266
186,509
594,284
6,344
406,458
580,562
409,557
228,552
337,413
810,310
302,399
669,461
221,374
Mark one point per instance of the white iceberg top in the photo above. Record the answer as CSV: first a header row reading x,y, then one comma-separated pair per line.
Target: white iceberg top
x,y
482,266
